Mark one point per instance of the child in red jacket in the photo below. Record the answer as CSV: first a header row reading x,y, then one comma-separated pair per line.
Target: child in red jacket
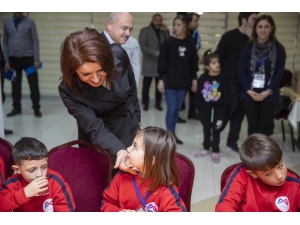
x,y
262,182
153,188
34,187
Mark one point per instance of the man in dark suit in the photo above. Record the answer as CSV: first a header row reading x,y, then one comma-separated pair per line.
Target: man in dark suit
x,y
150,40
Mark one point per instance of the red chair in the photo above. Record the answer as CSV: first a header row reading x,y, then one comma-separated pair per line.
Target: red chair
x,y
87,169
282,116
186,173
226,173
6,154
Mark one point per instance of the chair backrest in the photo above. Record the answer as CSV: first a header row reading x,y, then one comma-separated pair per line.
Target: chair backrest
x,y
286,80
226,173
6,153
86,168
186,173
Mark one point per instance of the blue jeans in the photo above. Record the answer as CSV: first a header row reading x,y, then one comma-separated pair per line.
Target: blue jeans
x,y
174,99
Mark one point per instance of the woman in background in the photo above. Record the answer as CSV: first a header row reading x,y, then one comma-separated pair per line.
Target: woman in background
x,y
261,67
177,68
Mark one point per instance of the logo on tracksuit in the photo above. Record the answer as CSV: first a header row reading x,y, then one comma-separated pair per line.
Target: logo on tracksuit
x,y
282,203
48,205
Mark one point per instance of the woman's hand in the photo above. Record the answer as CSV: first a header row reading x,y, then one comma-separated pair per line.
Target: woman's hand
x,y
161,86
263,95
254,95
121,158
123,164
126,167
194,85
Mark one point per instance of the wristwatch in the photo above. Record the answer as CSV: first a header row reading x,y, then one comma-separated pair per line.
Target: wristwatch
x,y
270,91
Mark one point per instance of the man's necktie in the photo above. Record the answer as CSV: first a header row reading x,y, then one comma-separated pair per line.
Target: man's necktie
x,y
16,23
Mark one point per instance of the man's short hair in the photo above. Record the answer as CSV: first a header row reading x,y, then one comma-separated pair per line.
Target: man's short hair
x,y
244,15
260,152
112,16
28,149
157,14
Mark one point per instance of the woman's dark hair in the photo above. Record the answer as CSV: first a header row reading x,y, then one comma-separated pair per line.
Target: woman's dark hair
x,y
81,47
185,22
160,145
28,149
208,56
270,21
272,36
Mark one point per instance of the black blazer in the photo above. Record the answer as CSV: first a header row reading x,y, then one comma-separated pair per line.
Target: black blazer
x,y
107,119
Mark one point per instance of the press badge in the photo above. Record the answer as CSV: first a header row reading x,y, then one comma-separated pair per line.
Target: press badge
x,y
259,80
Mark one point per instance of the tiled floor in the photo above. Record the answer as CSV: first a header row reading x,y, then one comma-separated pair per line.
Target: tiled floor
x,y
57,127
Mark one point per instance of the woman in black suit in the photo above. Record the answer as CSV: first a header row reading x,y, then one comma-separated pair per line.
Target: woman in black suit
x,y
100,93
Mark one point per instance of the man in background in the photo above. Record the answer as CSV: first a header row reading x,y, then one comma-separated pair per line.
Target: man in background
x,y
229,49
21,50
150,40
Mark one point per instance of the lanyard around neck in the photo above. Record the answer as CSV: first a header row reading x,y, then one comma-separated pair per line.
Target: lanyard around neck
x,y
262,62
143,200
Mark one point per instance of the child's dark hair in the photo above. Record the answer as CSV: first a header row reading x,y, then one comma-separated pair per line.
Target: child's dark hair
x,y
260,152
160,145
28,149
208,56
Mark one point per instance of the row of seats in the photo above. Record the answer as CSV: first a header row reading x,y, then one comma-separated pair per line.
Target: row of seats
x,y
88,170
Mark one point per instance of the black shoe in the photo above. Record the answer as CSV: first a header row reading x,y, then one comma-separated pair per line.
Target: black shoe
x,y
37,113
177,140
145,108
158,107
233,147
179,120
14,112
8,131
193,116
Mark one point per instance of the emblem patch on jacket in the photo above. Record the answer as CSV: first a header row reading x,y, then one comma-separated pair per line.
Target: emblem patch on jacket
x,y
282,203
151,207
48,205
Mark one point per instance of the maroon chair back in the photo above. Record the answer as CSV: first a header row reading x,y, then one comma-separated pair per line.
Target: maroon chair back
x,y
6,153
186,173
286,80
226,173
86,169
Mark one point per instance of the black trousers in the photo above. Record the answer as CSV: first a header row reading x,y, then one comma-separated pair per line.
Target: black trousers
x,y
145,91
19,64
211,134
260,117
236,113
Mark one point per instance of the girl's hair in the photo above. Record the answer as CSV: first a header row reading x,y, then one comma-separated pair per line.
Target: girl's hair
x,y
81,47
208,56
185,22
160,145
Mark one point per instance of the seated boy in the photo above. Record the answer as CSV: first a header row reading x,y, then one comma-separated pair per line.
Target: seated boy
x,y
34,187
261,183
